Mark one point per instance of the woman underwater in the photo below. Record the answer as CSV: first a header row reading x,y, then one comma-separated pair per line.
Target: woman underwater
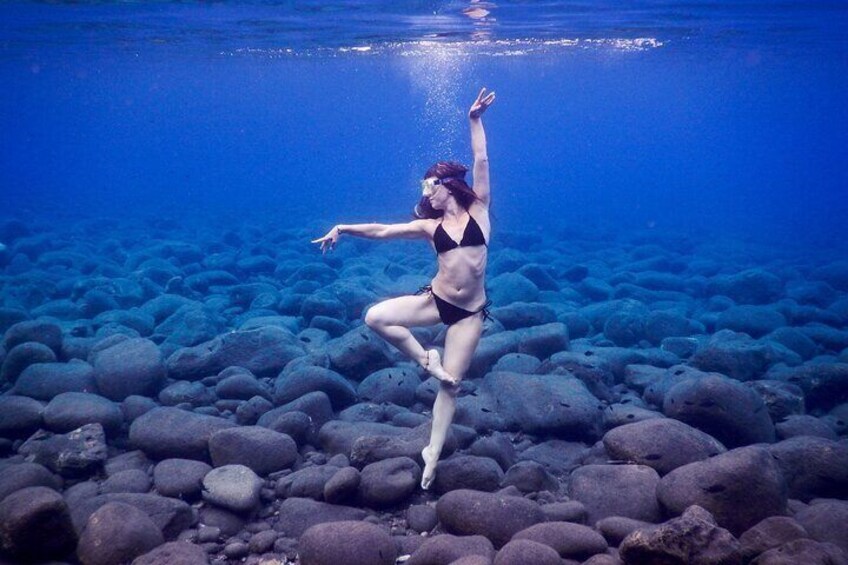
x,y
455,219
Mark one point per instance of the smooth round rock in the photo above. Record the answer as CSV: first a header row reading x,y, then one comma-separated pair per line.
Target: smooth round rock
x,y
739,488
165,432
20,416
180,478
133,366
527,551
446,548
495,516
617,490
117,533
351,543
35,525
264,451
234,487
663,444
70,410
174,553
571,541
388,482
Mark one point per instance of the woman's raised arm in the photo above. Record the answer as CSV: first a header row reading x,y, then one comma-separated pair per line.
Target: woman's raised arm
x,y
410,230
478,145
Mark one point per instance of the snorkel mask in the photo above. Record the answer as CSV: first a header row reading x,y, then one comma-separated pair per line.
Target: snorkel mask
x,y
428,186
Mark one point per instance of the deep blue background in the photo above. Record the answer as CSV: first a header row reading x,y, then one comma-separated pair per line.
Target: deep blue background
x,y
744,141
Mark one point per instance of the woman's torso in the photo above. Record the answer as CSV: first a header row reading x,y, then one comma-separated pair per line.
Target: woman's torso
x,y
461,279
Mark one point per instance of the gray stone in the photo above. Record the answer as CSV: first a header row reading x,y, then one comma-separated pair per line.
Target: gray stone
x,y
131,480
343,486
663,444
803,551
358,353
241,386
263,351
352,543
449,549
339,437
826,521
180,478
616,528
421,517
723,408
769,533
468,472
571,541
739,487
117,533
22,356
735,355
389,482
523,315
296,515
264,451
755,321
694,539
165,433
133,366
308,482
18,476
234,487
395,385
43,381
174,553
813,467
171,516
752,286
35,525
71,410
186,392
530,476
544,340
537,404
804,425
46,333
495,516
616,490
316,405
291,386
20,416
824,384
75,454
527,551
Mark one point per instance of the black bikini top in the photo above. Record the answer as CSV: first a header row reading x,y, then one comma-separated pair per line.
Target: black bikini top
x,y
471,237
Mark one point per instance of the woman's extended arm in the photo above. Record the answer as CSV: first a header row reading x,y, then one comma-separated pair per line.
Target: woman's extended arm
x,y
478,145
410,230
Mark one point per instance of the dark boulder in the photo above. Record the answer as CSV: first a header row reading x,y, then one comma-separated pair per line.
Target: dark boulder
x,y
165,433
739,487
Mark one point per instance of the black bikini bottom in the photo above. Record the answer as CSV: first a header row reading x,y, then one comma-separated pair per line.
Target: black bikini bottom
x,y
450,314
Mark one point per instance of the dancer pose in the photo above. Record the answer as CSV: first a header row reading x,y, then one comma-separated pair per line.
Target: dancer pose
x,y
455,219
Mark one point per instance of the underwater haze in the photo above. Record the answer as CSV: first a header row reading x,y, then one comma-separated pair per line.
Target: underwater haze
x,y
645,357
724,118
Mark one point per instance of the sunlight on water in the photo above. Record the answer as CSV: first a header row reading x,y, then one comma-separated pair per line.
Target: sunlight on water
x,y
437,74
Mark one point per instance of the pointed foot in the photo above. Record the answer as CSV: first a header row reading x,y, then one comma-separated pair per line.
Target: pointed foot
x,y
429,473
434,367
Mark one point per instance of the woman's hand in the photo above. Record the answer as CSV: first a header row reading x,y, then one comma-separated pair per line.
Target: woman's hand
x,y
328,242
481,104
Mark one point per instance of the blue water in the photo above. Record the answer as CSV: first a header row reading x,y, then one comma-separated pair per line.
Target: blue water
x,y
717,119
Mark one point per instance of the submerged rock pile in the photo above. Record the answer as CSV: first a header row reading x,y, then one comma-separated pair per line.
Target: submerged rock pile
x,y
174,397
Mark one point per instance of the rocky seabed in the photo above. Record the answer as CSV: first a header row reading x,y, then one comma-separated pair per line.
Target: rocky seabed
x,y
186,396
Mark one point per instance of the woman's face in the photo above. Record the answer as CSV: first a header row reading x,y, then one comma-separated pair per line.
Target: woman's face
x,y
437,194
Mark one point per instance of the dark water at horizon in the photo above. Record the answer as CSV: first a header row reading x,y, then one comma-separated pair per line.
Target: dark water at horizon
x,y
699,117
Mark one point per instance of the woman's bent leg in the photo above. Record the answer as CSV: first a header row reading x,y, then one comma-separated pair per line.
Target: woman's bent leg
x,y
392,318
460,342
